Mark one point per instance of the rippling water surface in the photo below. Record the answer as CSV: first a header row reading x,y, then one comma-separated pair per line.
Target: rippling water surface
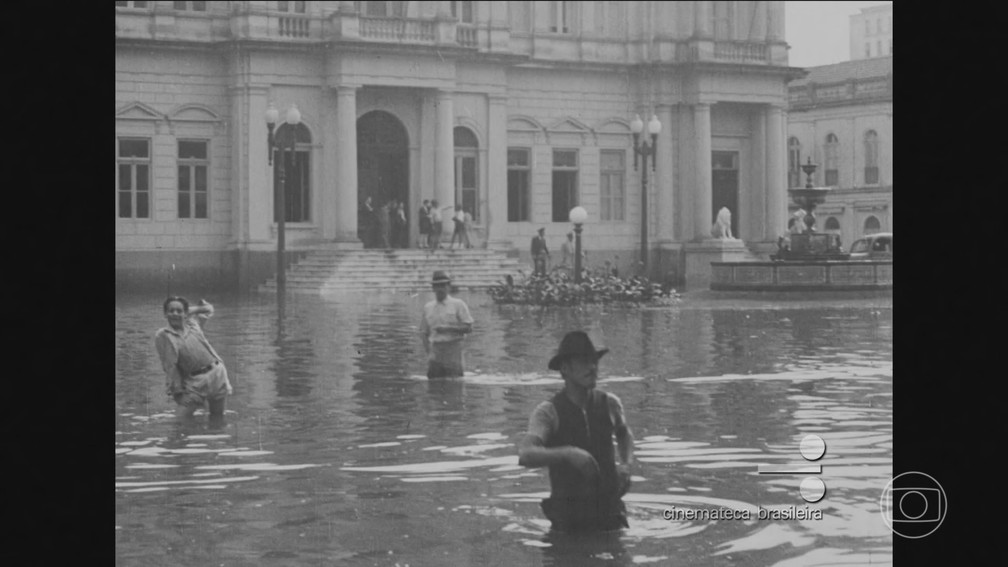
x,y
336,450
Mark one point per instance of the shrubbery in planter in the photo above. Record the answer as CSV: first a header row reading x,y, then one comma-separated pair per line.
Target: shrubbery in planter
x,y
558,288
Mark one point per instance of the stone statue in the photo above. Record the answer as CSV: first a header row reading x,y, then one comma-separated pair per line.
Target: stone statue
x,y
722,226
797,223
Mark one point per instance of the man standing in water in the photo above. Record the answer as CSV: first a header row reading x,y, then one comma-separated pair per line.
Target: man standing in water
x,y
445,322
572,434
194,372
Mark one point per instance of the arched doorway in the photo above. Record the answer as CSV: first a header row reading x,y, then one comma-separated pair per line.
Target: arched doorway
x,y
382,175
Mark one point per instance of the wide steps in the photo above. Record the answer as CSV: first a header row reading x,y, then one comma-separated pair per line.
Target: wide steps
x,y
326,271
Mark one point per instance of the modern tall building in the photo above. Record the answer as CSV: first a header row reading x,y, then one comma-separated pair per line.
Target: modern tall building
x,y
871,32
518,111
841,117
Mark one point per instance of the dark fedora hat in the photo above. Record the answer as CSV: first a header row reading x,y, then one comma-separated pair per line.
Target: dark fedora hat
x,y
440,278
575,343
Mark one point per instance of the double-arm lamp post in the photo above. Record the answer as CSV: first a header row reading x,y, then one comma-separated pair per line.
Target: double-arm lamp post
x,y
578,216
643,149
284,139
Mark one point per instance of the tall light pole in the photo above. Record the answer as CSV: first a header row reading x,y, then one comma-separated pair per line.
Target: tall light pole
x,y
578,216
644,150
284,139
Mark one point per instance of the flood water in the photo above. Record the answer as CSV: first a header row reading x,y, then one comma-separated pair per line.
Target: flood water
x,y
335,450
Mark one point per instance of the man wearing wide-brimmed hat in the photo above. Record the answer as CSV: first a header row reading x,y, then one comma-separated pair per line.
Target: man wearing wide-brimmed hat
x,y
572,434
444,324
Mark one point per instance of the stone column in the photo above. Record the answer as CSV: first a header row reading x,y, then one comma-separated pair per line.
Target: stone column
x,y
346,164
775,21
260,174
444,158
496,210
776,182
701,22
663,179
703,202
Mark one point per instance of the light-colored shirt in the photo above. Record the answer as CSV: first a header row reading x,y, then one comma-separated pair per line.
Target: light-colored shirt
x,y
435,216
184,352
435,314
544,421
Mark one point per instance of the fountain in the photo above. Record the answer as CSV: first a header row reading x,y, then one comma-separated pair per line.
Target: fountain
x,y
806,260
803,242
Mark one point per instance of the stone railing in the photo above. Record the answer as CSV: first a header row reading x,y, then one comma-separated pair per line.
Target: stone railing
x,y
398,29
740,52
465,35
294,25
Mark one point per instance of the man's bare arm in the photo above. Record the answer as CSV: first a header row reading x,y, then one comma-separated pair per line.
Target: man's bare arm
x,y
532,453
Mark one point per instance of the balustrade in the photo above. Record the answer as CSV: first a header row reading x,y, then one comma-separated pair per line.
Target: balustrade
x,y
740,51
293,26
466,36
399,29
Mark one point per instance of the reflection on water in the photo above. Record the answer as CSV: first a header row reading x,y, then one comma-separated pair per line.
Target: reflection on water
x,y
336,448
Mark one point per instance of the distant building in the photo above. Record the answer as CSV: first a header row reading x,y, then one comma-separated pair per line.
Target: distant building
x,y
517,110
871,33
841,117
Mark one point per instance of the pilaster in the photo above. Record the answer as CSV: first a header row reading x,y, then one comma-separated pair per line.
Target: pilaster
x,y
346,164
444,161
704,198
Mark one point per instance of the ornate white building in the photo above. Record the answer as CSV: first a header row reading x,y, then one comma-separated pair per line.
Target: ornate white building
x,y
516,110
871,32
841,116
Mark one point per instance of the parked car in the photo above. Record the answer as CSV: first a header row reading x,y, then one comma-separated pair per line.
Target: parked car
x,y
876,246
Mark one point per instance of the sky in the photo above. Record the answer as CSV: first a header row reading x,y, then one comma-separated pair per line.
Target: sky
x,y
819,32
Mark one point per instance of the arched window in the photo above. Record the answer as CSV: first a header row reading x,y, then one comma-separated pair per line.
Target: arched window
x,y
871,172
872,225
832,224
794,163
297,172
466,177
831,169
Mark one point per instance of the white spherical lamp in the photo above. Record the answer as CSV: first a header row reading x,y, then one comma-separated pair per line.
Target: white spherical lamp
x,y
578,215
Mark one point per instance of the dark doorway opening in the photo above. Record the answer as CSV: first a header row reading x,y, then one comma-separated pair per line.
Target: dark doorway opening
x,y
382,175
724,186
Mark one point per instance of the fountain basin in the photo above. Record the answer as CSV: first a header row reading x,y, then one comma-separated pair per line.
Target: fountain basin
x,y
799,275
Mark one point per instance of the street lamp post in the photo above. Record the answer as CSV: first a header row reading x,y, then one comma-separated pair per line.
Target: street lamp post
x,y
284,139
643,149
578,216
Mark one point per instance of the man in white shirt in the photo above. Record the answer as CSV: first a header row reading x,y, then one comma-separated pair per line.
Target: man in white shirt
x,y
445,322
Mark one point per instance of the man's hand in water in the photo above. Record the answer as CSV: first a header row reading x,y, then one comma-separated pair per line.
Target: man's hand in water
x,y
583,462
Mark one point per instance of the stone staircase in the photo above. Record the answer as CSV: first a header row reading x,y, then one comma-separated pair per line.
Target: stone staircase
x,y
331,271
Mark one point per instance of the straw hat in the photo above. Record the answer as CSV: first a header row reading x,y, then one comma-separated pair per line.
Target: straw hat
x,y
440,278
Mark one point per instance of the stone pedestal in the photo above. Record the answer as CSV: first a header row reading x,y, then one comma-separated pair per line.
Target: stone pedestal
x,y
699,256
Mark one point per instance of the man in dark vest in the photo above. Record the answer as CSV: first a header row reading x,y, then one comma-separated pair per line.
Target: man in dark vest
x,y
572,434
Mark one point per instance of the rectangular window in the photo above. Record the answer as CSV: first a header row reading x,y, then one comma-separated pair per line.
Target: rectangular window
x,y
298,7
565,184
878,48
133,170
794,166
297,173
612,188
385,9
867,50
462,11
193,165
867,27
559,14
519,186
131,4
194,6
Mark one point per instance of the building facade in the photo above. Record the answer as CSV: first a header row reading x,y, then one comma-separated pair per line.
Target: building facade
x,y
840,117
871,32
518,111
